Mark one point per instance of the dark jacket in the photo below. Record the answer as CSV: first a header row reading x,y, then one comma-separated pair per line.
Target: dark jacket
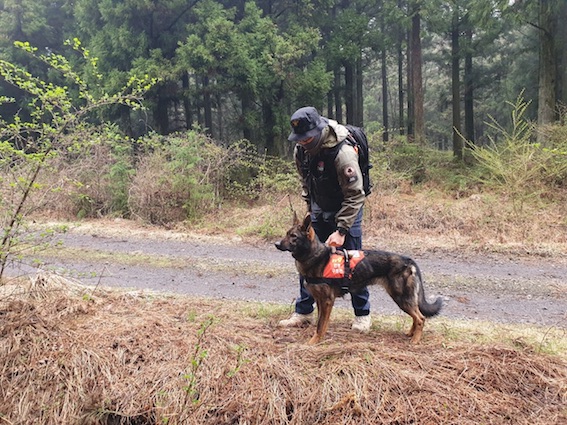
x,y
333,186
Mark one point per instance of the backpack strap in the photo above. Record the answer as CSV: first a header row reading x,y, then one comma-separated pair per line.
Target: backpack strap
x,y
352,141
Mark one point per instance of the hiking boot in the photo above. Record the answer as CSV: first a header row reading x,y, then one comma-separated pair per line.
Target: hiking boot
x,y
362,323
297,320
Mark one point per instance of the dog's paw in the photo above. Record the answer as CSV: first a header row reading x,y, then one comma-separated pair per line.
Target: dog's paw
x,y
415,338
314,340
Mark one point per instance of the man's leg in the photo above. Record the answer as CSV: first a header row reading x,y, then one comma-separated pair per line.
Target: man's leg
x,y
360,300
304,304
303,309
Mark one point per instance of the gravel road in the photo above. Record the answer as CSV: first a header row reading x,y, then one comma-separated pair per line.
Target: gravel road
x,y
487,288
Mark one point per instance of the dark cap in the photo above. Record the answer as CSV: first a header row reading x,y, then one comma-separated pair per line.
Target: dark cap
x,y
305,123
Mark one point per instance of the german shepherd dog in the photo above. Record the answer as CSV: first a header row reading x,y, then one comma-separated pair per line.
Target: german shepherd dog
x,y
400,276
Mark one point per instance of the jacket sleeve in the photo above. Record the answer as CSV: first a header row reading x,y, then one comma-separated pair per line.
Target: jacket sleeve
x,y
350,180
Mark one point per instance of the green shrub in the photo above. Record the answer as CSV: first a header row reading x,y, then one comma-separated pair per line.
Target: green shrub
x,y
514,165
407,159
187,175
273,177
169,185
555,143
95,180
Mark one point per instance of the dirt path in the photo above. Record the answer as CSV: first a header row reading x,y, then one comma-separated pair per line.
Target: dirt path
x,y
492,288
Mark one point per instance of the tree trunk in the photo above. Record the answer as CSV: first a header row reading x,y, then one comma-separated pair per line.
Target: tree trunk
x,y
186,101
126,121
409,72
338,95
456,87
561,54
331,97
208,106
547,66
161,115
384,74
246,106
199,103
469,86
349,92
359,97
416,76
220,132
269,124
401,121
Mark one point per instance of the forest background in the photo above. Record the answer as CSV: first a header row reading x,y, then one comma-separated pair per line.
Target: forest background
x,y
168,111
176,113
431,69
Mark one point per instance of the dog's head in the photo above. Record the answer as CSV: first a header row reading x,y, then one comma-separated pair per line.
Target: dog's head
x,y
299,237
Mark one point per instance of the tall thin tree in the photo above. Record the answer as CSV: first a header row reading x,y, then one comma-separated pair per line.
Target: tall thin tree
x,y
416,77
456,84
547,64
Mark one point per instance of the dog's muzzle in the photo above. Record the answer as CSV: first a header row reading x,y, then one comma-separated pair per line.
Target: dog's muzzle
x,y
281,246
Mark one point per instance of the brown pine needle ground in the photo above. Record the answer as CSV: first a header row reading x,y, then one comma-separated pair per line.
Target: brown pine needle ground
x,y
70,356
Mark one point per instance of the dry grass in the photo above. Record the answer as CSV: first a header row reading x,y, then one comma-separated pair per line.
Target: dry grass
x,y
416,220
70,356
481,222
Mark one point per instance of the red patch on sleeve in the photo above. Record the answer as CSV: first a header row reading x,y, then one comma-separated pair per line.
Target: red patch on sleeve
x,y
350,174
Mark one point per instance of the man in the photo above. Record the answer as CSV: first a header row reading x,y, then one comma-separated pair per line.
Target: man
x,y
333,190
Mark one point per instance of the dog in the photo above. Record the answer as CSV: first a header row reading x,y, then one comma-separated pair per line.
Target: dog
x,y
399,275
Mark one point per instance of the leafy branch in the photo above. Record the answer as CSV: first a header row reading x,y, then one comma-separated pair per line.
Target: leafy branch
x,y
54,111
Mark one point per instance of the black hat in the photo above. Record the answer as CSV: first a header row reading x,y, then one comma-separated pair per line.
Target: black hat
x,y
305,123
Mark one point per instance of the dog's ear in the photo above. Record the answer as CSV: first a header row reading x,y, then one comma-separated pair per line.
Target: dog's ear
x,y
306,221
295,219
311,234
308,228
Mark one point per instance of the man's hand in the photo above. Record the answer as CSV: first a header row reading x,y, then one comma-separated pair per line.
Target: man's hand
x,y
335,239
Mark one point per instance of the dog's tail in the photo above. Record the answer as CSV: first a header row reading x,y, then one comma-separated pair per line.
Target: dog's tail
x,y
427,309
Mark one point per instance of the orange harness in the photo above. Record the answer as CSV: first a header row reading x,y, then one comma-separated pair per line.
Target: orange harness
x,y
341,264
338,270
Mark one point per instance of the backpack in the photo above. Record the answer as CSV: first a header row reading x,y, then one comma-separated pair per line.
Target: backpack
x,y
357,139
